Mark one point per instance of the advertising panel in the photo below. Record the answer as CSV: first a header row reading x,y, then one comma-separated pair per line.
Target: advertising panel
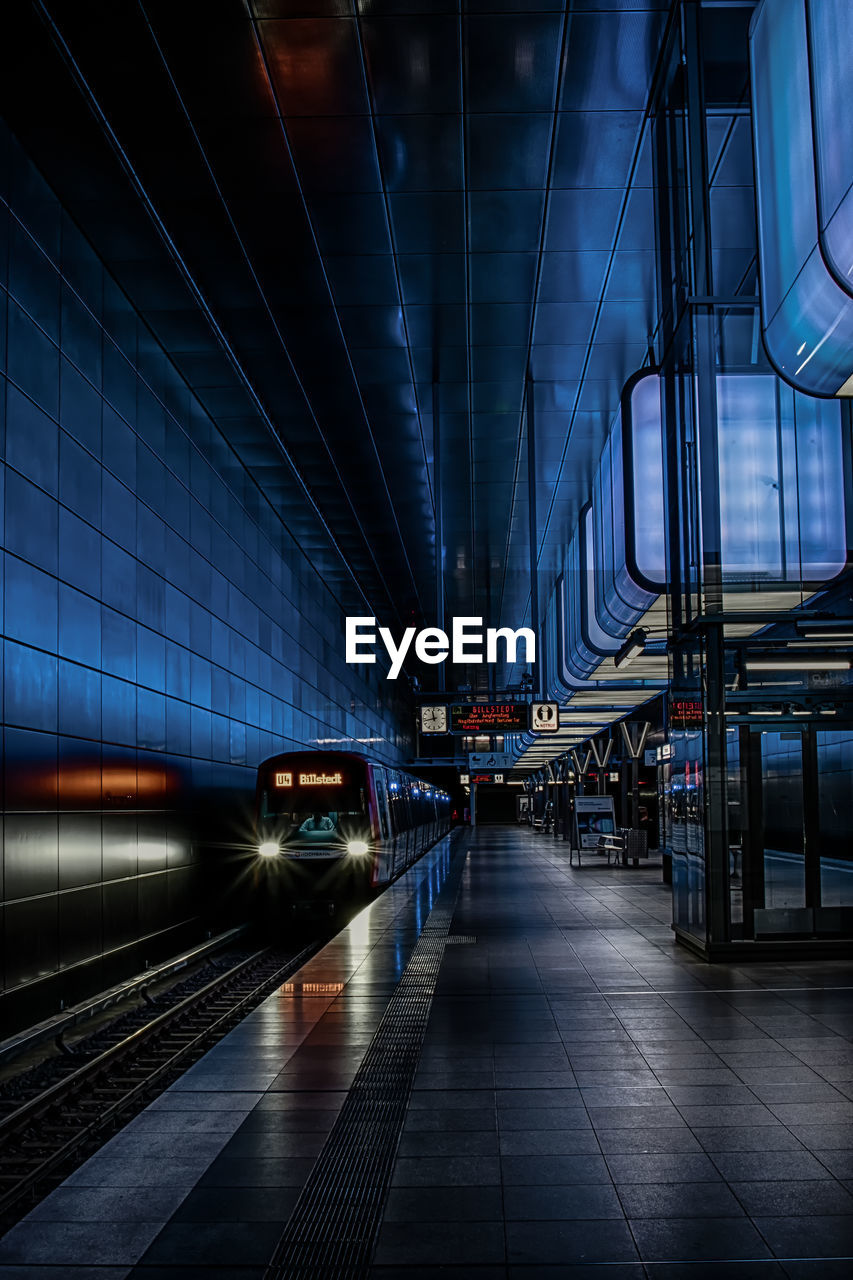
x,y
594,817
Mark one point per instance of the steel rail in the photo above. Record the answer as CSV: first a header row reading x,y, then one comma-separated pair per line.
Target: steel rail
x,y
26,1126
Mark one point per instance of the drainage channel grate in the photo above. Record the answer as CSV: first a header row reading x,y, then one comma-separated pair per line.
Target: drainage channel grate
x,y
333,1228
457,939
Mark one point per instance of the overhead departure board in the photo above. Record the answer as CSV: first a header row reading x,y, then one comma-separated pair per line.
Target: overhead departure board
x,y
489,717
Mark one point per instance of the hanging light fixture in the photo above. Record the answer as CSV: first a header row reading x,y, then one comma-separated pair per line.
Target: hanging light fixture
x,y
632,648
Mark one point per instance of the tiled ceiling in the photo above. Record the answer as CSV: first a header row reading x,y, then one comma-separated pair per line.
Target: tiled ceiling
x,y
339,219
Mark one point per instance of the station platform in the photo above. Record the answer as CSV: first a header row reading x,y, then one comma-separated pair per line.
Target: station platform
x,y
505,1069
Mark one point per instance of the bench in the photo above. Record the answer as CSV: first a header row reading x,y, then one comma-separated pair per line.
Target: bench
x,y
613,846
621,846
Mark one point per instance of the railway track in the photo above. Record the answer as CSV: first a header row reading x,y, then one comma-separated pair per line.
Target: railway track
x,y
46,1136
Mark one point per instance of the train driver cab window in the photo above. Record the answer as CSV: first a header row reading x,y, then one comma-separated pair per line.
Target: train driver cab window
x,y
314,813
319,822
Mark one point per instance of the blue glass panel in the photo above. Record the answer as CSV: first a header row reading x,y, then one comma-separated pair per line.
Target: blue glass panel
x,y
831,37
79,626
151,720
30,607
81,336
150,658
177,671
807,318
79,701
118,578
79,479
79,553
118,644
33,359
33,280
80,407
31,444
177,727
119,447
32,523
118,710
30,688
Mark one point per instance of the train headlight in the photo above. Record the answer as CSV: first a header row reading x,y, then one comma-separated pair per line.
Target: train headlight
x,y
357,847
268,849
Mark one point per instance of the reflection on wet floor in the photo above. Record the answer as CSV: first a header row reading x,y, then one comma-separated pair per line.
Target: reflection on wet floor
x,y
591,1100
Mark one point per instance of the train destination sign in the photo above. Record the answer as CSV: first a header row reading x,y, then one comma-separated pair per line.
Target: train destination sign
x,y
488,717
310,780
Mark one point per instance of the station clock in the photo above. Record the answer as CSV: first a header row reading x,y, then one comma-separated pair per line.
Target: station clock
x,y
433,719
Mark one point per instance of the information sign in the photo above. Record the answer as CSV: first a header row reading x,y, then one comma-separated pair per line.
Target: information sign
x,y
488,717
486,779
544,717
490,760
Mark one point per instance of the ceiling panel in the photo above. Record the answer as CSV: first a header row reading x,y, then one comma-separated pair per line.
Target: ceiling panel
x,y
370,201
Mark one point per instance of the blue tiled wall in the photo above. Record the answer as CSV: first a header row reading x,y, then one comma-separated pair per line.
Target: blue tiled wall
x,y
161,631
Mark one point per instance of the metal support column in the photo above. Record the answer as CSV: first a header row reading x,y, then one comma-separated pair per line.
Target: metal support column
x,y
439,521
811,817
533,536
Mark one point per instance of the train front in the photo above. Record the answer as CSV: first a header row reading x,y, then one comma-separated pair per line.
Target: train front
x,y
314,827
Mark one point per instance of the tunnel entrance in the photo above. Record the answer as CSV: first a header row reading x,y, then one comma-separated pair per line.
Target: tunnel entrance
x,y
496,804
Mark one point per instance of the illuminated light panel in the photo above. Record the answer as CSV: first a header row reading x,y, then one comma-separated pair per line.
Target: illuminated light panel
x,y
794,664
807,317
837,637
830,40
784,535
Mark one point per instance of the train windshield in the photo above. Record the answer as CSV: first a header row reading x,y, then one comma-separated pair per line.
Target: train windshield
x,y
315,812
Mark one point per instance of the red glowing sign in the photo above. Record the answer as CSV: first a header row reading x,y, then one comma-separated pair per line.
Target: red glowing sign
x,y
489,717
686,713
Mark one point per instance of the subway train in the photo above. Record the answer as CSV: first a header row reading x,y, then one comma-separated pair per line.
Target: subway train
x,y
332,825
